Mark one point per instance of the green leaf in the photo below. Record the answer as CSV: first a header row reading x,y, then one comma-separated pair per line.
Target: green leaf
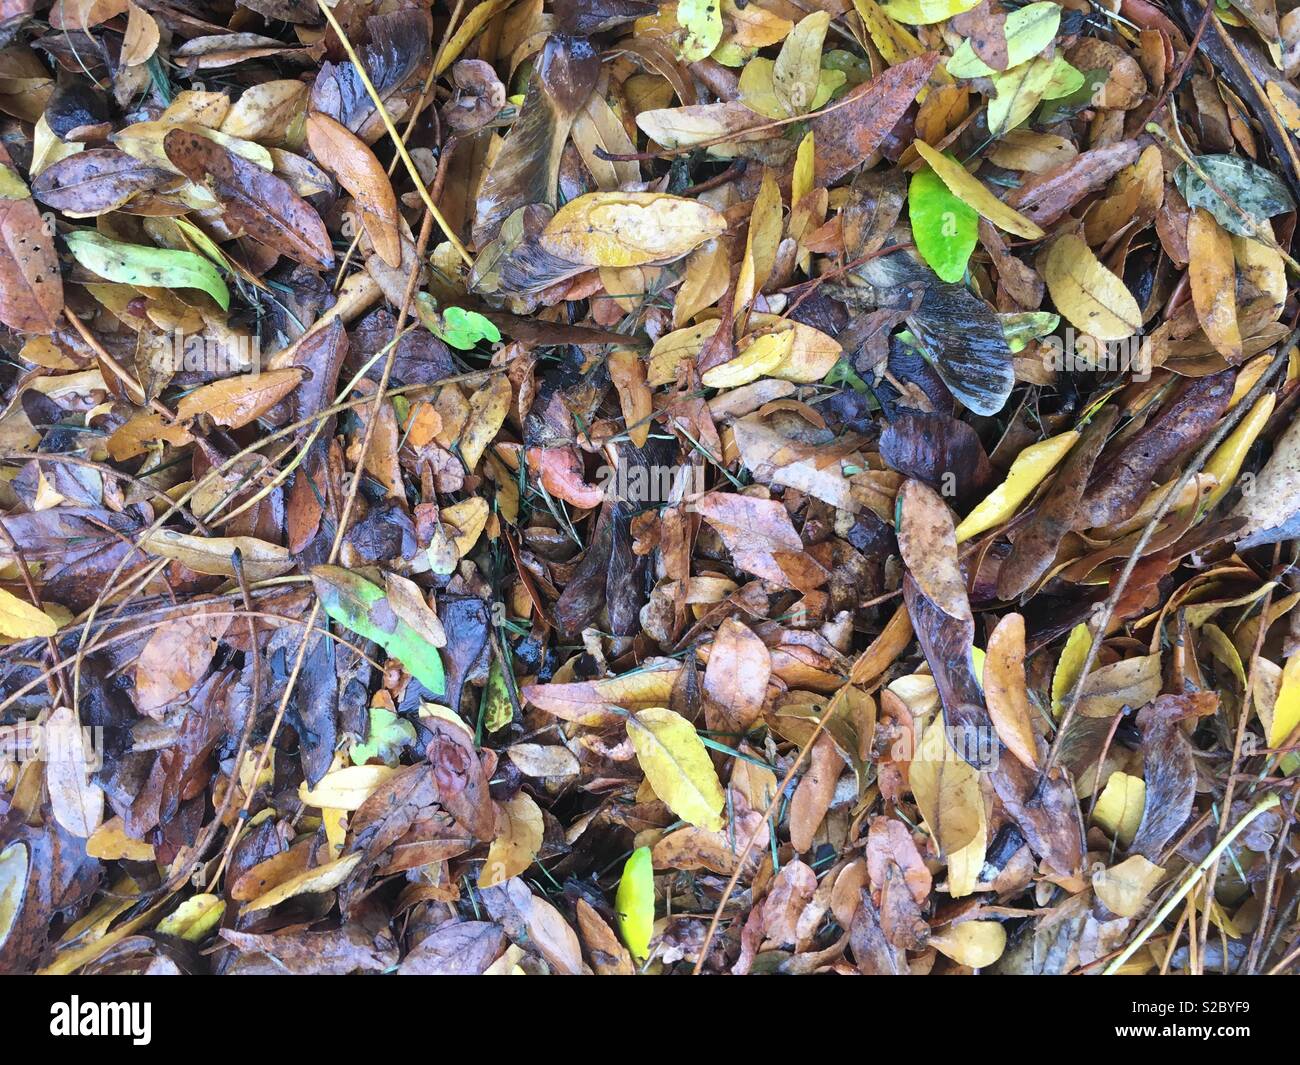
x,y
945,229
1258,192
134,264
356,604
1028,31
635,903
389,734
463,329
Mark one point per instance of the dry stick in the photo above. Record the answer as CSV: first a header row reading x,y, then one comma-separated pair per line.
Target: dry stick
x,y
1172,84
416,111
1257,940
106,641
1286,140
1243,718
104,470
250,716
1112,601
1264,804
216,472
130,383
398,143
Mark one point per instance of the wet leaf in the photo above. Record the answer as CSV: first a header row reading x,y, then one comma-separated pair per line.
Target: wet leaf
x,y
635,903
677,765
134,264
355,603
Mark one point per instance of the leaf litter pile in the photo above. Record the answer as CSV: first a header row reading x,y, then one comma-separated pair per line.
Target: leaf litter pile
x,y
609,486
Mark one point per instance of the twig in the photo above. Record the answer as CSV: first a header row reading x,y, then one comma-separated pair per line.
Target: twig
x,y
1264,804
398,143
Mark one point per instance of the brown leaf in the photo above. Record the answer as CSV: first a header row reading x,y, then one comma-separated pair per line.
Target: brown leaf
x,y
254,201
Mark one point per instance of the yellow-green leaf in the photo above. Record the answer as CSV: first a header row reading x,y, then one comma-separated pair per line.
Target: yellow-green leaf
x,y
1028,31
676,763
635,903
926,12
702,21
194,918
134,264
1070,666
797,69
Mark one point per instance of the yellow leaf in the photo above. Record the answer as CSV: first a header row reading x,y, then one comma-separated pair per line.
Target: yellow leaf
x,y
760,357
761,243
1005,689
801,182
468,518
813,354
194,918
926,12
893,42
1119,809
1212,271
946,789
13,886
1226,461
1069,666
488,408
629,228
1028,470
971,191
965,865
322,878
1124,887
519,837
671,348
677,765
977,944
110,843
1286,711
344,789
20,620
1092,298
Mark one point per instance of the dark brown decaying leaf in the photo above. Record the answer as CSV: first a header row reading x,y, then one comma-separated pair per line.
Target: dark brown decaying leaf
x,y
254,201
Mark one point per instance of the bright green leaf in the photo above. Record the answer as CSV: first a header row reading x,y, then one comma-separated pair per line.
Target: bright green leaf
x,y
944,228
